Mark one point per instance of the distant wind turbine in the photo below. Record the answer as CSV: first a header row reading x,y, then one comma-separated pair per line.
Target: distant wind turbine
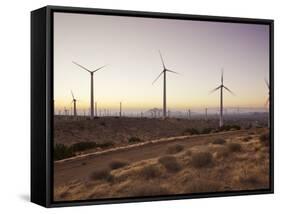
x,y
120,109
74,104
92,85
164,84
221,87
267,101
65,111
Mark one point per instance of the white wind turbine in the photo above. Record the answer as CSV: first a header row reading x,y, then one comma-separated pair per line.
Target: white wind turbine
x,y
267,100
267,84
92,85
221,87
164,84
74,104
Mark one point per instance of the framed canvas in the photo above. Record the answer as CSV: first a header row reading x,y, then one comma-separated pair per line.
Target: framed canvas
x,y
133,106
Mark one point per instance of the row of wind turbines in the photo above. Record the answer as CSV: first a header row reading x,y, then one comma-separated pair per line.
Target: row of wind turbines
x,y
164,72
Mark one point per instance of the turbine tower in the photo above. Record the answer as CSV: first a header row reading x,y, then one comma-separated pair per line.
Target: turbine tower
x,y
165,70
221,87
92,85
74,104
96,109
120,109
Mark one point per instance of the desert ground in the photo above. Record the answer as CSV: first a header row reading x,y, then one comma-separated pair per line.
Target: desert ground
x,y
125,157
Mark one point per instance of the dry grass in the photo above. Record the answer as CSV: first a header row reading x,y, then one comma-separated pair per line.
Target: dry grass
x,y
116,164
149,172
102,174
222,153
250,176
219,141
148,189
174,149
201,168
170,163
234,147
264,138
201,159
202,185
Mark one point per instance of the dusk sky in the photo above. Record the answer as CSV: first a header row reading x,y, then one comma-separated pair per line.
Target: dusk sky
x,y
129,47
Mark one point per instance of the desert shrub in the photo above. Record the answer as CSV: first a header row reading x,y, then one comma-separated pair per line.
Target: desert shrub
x,y
201,159
219,141
174,149
236,127
61,152
234,147
149,189
170,163
206,130
246,139
106,144
78,147
149,172
188,153
102,174
264,138
191,131
116,164
103,123
134,140
229,127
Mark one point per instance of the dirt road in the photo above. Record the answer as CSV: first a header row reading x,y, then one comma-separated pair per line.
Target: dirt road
x,y
81,167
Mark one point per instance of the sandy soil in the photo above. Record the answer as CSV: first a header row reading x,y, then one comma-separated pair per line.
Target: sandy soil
x,y
194,164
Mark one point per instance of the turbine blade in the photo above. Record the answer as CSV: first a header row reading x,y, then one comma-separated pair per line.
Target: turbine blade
x,y
162,60
172,71
214,89
72,94
81,66
222,76
266,82
157,77
229,90
267,101
99,68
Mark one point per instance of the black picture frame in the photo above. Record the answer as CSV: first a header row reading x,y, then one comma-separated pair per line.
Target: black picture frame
x,y
42,103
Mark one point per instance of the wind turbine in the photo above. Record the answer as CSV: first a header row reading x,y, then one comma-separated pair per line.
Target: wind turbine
x,y
267,101
74,104
92,84
120,109
164,71
221,87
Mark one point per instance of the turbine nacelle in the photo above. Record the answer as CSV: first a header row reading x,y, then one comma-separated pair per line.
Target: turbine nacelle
x,y
164,69
91,72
